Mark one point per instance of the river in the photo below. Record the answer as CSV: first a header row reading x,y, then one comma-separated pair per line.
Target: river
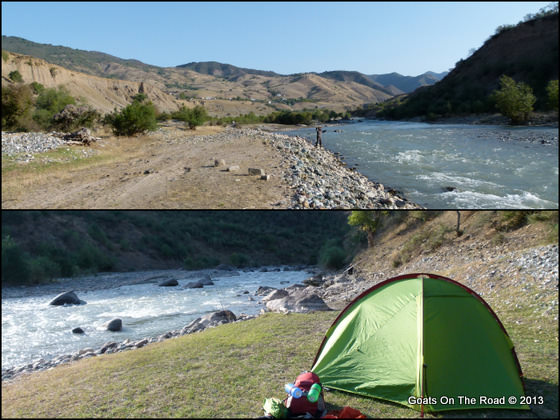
x,y
450,166
33,329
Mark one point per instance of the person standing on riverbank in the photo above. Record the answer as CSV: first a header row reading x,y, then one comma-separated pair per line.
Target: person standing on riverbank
x,y
319,142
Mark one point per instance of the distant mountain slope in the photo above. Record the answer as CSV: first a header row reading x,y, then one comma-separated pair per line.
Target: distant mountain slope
x,y
527,52
215,84
226,71
101,93
407,84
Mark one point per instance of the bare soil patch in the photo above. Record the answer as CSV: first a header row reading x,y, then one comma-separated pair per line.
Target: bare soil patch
x,y
171,168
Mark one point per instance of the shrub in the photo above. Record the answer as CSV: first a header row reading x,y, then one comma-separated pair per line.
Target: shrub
x,y
50,102
332,256
17,108
239,260
15,268
73,117
15,76
138,117
37,88
191,117
552,93
514,100
5,56
53,71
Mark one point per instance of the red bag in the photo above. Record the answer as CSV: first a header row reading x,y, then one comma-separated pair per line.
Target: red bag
x,y
301,405
345,413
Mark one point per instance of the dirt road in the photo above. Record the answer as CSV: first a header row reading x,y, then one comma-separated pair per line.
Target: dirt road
x,y
171,168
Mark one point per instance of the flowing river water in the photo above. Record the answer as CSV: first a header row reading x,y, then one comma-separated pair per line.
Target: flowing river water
x,y
450,166
33,329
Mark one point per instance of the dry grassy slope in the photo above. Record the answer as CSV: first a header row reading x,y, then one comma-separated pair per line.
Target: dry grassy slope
x,y
482,258
101,93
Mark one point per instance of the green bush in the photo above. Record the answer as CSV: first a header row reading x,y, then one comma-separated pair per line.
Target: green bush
x,y
37,88
15,76
138,117
15,268
43,268
191,117
239,260
50,102
514,100
17,108
332,256
552,93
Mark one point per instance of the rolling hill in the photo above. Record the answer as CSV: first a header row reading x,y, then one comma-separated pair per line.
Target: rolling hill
x,y
526,52
223,89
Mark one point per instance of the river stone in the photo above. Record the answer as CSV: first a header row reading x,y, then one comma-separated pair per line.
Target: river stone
x,y
78,330
276,294
206,281
114,325
67,298
194,285
256,171
168,283
316,280
210,320
108,345
264,290
298,301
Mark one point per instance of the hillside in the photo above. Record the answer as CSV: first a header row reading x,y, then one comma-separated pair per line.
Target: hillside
x,y
101,93
526,52
407,84
65,243
513,267
223,89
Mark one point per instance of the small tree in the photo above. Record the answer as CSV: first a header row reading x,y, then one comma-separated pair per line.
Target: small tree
x,y
367,221
17,108
138,117
191,117
15,76
49,103
552,92
514,100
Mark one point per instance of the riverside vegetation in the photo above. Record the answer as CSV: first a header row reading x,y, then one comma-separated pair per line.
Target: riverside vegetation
x,y
509,258
40,246
526,53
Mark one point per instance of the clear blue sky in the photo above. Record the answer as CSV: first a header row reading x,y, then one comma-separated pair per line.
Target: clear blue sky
x,y
286,37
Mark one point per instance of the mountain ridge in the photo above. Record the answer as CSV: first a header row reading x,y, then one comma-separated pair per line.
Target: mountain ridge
x,y
217,83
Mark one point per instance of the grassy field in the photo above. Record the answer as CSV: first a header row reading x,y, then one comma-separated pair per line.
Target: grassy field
x,y
228,371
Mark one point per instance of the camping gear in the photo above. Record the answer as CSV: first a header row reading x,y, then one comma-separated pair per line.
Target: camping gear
x,y
345,413
293,390
275,408
424,341
298,406
314,392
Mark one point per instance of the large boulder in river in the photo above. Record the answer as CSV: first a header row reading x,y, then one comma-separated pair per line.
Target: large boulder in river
x,y
114,324
211,320
206,281
276,294
168,283
67,298
193,285
298,301
264,290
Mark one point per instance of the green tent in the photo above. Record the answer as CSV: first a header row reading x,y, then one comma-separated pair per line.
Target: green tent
x,y
424,341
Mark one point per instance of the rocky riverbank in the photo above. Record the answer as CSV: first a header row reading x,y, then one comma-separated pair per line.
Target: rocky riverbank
x,y
532,269
302,176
